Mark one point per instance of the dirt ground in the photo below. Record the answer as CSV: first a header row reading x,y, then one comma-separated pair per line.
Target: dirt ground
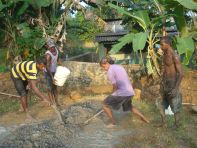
x,y
130,131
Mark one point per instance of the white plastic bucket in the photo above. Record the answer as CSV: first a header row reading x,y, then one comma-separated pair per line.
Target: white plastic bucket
x,y
61,75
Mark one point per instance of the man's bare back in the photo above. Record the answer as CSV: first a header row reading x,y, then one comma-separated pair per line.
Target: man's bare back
x,y
172,76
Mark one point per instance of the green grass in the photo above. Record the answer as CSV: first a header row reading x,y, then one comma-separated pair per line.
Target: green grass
x,y
10,105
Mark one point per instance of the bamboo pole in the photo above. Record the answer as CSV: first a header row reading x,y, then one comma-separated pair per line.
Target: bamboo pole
x,y
9,95
93,116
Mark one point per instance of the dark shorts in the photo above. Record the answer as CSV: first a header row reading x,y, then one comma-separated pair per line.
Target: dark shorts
x,y
21,86
175,102
49,81
117,101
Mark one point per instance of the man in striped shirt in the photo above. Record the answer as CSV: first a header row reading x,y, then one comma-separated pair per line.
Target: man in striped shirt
x,y
24,74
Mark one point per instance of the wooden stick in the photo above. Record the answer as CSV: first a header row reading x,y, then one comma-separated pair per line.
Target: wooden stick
x,y
189,104
9,95
59,115
93,116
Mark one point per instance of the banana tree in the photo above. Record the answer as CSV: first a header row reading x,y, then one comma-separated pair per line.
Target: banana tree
x,y
165,9
139,39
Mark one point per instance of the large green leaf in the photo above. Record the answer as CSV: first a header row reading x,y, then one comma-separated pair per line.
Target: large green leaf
x,y
22,8
179,16
184,44
139,41
140,16
25,30
2,6
122,42
40,3
190,4
39,43
188,56
143,18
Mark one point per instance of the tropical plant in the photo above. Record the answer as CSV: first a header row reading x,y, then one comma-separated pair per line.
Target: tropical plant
x,y
161,11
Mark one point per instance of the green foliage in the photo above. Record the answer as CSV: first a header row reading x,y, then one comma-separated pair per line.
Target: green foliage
x,y
18,33
32,41
155,13
190,4
82,29
185,46
122,42
140,16
139,41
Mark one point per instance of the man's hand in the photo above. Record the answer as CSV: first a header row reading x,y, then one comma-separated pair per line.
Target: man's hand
x,y
54,81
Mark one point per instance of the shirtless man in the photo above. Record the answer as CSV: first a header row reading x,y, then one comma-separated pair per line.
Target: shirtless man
x,y
171,78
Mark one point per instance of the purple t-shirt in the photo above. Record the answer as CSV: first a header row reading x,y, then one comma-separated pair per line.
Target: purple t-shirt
x,y
118,75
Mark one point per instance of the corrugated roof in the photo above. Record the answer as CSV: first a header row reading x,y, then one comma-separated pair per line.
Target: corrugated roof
x,y
110,36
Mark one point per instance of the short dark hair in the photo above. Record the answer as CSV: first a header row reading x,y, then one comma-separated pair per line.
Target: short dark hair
x,y
41,60
167,40
106,59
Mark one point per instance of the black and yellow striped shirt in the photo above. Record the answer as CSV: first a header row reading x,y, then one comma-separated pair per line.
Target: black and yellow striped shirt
x,y
25,70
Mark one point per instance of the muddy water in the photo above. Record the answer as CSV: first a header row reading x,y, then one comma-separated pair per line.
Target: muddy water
x,y
96,134
52,133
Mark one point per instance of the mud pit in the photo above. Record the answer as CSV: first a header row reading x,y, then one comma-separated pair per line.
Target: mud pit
x,y
52,133
129,132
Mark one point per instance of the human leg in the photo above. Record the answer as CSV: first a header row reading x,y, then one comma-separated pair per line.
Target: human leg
x,y
49,83
176,104
108,111
20,86
110,101
138,113
55,94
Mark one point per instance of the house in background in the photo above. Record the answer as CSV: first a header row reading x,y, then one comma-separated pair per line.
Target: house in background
x,y
110,37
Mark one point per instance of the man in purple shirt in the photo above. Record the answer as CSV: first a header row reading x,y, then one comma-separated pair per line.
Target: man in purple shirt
x,y
122,90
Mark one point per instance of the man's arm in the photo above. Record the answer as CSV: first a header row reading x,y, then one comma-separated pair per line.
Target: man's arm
x,y
114,87
32,84
48,58
179,71
59,61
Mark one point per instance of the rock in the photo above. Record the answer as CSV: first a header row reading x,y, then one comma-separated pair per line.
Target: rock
x,y
102,89
74,95
194,108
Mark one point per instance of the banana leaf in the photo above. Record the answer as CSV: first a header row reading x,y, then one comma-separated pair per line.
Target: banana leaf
x,y
139,41
122,42
185,46
190,4
140,16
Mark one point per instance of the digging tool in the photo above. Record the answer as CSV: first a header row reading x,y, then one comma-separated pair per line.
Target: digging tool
x,y
86,122
58,113
9,95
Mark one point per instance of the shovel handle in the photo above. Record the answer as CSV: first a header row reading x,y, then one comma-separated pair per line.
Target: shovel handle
x,y
93,116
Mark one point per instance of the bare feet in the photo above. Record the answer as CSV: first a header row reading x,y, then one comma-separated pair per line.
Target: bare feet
x,y
21,109
29,118
111,125
46,103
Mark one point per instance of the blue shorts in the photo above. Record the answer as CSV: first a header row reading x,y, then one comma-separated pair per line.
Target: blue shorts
x,y
49,81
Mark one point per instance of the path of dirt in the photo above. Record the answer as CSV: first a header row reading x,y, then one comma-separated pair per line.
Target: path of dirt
x,y
129,132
